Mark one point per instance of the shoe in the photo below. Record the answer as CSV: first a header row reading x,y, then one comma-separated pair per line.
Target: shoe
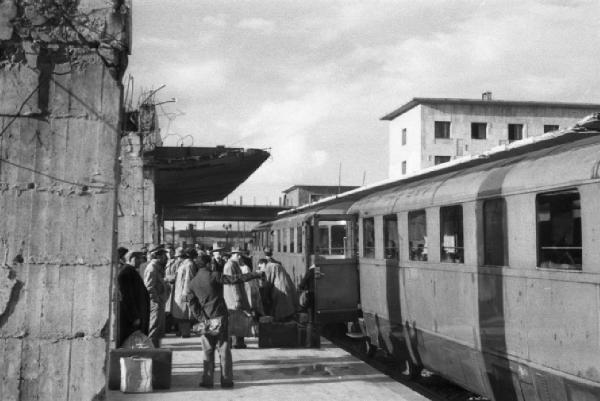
x,y
227,385
205,385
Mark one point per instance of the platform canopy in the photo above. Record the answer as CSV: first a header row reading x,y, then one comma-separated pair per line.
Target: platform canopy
x,y
188,175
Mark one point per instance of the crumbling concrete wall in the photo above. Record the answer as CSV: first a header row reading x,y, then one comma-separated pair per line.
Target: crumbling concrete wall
x,y
60,95
137,206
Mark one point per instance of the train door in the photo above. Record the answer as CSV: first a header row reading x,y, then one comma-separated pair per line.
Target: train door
x,y
336,268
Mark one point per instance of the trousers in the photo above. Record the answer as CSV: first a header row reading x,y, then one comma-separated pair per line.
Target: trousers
x,y
157,323
221,343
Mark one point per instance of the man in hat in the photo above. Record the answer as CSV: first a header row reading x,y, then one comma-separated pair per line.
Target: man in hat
x,y
208,304
157,289
173,264
134,303
236,300
217,263
278,290
182,294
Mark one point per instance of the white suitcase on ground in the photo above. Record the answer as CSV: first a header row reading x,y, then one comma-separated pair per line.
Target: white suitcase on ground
x,y
136,375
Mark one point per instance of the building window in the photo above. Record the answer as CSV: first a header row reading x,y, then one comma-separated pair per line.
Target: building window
x,y
278,240
442,129
550,128
478,130
403,167
440,159
369,237
559,230
403,136
417,235
292,239
451,234
515,132
299,238
494,233
390,236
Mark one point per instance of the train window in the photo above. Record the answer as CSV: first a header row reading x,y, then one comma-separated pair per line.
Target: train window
x,y
451,234
550,128
369,237
559,230
292,239
323,247
278,240
494,233
390,236
417,235
442,129
284,239
299,238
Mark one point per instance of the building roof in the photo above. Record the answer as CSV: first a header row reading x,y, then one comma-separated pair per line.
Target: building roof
x,y
317,188
519,103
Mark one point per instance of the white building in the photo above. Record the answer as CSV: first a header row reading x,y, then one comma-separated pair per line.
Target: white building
x,y
428,131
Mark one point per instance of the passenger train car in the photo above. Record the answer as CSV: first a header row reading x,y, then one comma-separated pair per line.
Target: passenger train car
x,y
486,271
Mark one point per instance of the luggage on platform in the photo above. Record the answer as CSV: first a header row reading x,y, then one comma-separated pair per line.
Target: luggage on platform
x,y
136,375
161,366
241,324
278,334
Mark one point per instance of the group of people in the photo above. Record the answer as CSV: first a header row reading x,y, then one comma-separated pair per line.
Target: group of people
x,y
216,289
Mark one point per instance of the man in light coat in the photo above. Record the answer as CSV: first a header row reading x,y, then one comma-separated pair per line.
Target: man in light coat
x,y
182,294
236,300
157,289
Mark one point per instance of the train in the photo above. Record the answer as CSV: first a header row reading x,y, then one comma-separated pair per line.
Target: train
x,y
484,270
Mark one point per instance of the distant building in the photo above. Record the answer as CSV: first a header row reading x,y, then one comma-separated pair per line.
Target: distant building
x,y
429,131
299,195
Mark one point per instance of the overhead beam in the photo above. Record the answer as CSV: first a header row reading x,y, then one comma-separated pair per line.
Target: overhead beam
x,y
221,213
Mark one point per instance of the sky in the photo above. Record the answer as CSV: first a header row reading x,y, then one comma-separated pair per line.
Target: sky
x,y
310,80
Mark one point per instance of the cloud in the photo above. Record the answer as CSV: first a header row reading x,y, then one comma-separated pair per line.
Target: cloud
x,y
218,21
257,24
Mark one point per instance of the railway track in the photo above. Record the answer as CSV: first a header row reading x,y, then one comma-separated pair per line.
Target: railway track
x,y
430,385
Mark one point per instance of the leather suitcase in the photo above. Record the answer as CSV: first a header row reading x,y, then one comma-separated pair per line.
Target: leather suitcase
x,y
277,335
161,366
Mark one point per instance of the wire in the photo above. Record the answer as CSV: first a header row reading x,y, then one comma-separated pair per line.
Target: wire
x,y
55,178
18,114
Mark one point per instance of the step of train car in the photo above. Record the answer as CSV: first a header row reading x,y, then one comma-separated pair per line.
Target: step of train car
x,y
325,373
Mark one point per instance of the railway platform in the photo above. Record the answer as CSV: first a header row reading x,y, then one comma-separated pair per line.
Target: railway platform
x,y
327,373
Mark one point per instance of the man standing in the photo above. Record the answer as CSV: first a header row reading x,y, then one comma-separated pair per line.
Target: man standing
x,y
217,263
181,293
134,305
208,305
170,276
236,300
157,289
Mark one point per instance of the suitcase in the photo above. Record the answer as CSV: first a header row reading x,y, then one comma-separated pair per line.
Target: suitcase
x,y
277,335
161,366
136,375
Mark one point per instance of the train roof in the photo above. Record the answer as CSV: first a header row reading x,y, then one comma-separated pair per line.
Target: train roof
x,y
586,128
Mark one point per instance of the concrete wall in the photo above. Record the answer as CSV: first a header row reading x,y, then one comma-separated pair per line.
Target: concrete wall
x,y
136,209
411,151
59,137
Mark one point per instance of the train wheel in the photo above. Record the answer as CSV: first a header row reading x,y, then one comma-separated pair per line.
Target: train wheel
x,y
410,370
